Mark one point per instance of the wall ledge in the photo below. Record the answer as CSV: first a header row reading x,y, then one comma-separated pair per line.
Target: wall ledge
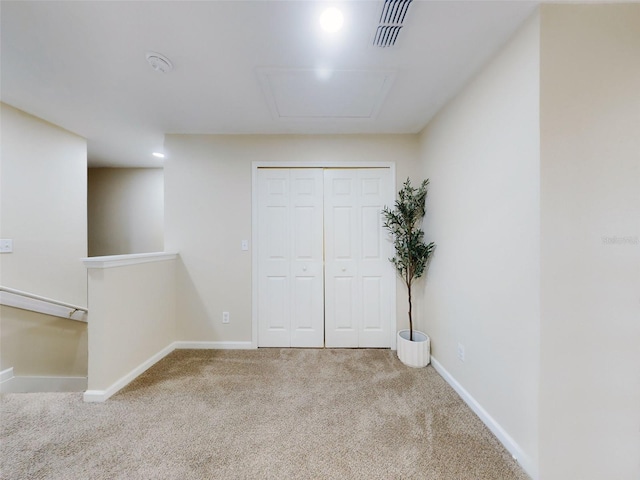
x,y
111,261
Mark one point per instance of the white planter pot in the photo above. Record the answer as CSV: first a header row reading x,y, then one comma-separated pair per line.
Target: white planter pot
x,y
416,353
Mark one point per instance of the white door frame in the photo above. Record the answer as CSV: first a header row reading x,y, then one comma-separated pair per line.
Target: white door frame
x,y
254,231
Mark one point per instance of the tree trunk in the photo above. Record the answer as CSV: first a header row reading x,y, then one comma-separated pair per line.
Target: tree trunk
x,y
410,319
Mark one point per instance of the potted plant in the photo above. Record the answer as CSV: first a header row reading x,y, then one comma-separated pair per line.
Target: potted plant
x,y
412,255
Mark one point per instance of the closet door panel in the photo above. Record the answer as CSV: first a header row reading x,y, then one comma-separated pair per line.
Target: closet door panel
x,y
273,259
358,275
342,292
307,294
376,273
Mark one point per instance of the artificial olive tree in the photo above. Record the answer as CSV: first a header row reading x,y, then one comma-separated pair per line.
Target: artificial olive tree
x,y
404,224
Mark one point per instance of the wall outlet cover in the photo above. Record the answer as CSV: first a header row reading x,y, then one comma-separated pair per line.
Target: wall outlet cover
x,y
6,245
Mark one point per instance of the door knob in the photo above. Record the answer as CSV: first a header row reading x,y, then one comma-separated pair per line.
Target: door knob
x,y
304,269
344,269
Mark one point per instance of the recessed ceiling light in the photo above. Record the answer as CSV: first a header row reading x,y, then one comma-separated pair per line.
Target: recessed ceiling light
x,y
331,20
158,154
159,62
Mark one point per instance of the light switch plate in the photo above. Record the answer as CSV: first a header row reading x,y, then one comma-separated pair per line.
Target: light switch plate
x,y
6,245
245,245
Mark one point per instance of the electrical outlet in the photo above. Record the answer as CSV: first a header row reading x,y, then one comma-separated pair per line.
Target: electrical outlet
x,y
225,317
6,245
461,352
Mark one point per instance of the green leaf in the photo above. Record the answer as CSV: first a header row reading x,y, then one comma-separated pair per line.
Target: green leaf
x,y
403,223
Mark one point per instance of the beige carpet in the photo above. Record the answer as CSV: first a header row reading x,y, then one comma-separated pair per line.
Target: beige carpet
x,y
268,413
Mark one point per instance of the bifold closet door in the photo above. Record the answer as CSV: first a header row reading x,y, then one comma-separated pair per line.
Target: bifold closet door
x,y
290,258
359,279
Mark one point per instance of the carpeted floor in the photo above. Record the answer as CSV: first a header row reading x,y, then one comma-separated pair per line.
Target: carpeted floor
x,y
257,414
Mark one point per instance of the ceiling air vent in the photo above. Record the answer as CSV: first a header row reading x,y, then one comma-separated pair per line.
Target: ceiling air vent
x,y
391,19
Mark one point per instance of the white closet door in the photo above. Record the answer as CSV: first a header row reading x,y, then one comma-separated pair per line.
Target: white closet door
x,y
290,273
307,273
359,279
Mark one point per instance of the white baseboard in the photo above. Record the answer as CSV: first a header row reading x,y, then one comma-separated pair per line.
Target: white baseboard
x,y
6,375
509,443
34,384
102,395
214,345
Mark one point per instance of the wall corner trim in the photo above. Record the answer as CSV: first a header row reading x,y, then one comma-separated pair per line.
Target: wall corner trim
x,y
111,261
509,443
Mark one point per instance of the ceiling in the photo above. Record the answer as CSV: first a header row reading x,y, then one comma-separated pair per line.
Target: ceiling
x,y
240,67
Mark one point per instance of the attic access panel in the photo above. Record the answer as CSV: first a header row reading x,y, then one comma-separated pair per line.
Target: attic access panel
x,y
324,94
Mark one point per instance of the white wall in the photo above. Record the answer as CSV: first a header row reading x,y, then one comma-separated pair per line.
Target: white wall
x,y
208,213
481,154
35,344
126,210
131,319
43,209
590,230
